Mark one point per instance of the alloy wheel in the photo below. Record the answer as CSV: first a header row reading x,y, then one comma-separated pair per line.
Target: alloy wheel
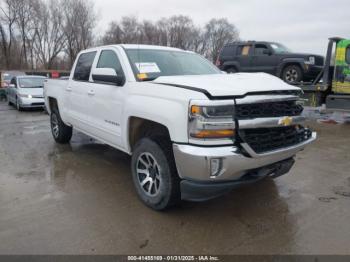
x,y
291,75
54,125
148,174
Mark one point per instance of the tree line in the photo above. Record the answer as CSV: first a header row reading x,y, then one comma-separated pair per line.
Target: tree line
x,y
48,34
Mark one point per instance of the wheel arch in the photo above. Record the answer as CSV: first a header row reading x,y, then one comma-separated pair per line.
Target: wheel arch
x,y
289,62
52,104
139,127
228,65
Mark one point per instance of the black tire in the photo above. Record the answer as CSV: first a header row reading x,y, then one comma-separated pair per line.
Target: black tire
x,y
231,70
8,102
292,74
18,106
60,131
168,192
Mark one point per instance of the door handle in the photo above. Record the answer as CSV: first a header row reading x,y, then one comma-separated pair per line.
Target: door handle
x,y
91,93
69,89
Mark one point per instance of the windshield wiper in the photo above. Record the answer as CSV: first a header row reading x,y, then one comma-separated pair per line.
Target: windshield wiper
x,y
33,87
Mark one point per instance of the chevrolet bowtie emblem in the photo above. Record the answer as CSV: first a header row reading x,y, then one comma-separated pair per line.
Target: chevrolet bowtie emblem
x,y
285,121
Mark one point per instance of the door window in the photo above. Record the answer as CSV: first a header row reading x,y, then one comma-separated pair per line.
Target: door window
x,y
347,55
259,49
243,50
13,81
228,51
83,67
109,59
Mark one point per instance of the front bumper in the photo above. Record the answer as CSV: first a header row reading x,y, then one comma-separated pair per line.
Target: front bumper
x,y
311,71
31,102
194,162
201,191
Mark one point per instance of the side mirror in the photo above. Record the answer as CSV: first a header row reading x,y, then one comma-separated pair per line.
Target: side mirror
x,y
267,52
107,75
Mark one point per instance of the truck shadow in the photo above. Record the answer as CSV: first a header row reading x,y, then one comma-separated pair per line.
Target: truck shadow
x,y
98,184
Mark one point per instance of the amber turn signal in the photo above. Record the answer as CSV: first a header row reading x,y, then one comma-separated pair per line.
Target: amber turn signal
x,y
195,110
225,133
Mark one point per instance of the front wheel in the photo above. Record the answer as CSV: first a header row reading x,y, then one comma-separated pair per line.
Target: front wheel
x,y
292,74
60,131
231,70
18,105
154,174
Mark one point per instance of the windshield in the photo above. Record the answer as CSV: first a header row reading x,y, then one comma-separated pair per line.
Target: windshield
x,y
7,77
31,82
149,64
280,49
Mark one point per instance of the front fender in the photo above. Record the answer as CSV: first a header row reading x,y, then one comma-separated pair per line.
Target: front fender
x,y
173,114
287,61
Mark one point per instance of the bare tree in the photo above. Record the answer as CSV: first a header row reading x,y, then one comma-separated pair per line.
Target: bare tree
x,y
79,22
176,31
149,33
129,31
49,40
25,12
50,33
114,34
8,11
180,31
217,33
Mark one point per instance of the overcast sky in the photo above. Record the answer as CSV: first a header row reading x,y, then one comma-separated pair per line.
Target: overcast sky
x,y
302,25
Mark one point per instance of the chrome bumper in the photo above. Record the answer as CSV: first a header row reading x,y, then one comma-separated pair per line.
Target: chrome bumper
x,y
193,162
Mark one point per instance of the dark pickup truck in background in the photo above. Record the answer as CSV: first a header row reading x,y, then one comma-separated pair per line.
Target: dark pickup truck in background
x,y
272,58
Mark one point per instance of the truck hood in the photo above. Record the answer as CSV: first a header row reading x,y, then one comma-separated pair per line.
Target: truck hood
x,y
221,85
319,60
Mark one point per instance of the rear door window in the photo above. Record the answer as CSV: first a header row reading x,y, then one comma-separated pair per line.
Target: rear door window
x,y
243,50
83,68
228,51
347,56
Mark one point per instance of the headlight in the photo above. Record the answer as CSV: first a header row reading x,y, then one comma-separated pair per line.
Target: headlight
x,y
25,95
311,60
211,122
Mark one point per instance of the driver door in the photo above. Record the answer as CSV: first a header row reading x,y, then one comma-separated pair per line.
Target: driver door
x,y
263,59
107,99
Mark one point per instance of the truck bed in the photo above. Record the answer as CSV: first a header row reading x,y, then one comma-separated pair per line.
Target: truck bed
x,y
54,88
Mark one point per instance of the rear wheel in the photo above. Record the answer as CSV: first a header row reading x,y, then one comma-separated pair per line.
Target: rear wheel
x,y
60,131
154,173
292,74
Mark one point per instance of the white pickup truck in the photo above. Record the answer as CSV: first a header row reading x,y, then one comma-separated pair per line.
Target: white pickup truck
x,y
194,132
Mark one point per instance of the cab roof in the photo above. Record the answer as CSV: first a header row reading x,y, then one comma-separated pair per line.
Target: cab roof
x,y
136,46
